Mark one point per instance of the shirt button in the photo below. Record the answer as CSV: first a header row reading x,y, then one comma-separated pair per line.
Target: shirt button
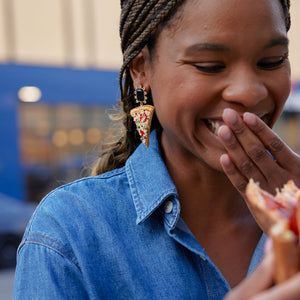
x,y
169,207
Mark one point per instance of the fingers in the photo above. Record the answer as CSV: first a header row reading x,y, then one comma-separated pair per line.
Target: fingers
x,y
254,148
289,290
238,181
257,282
248,154
245,150
279,150
258,286
255,151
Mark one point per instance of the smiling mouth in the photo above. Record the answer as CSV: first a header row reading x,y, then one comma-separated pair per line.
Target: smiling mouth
x,y
213,125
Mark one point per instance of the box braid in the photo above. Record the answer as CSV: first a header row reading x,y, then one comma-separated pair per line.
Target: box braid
x,y
140,22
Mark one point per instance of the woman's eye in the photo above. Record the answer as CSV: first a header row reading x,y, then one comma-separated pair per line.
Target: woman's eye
x,y
210,68
271,63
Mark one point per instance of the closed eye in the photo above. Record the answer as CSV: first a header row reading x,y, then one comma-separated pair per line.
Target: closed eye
x,y
272,62
210,67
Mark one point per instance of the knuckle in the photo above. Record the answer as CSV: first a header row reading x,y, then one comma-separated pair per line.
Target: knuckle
x,y
246,167
239,130
231,171
257,153
276,145
232,145
259,128
241,185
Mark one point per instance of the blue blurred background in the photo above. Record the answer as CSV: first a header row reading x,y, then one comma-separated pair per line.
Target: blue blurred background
x,y
59,64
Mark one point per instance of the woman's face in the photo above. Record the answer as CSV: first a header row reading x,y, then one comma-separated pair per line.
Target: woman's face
x,y
217,54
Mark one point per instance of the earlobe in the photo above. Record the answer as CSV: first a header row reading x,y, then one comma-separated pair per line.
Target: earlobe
x,y
139,69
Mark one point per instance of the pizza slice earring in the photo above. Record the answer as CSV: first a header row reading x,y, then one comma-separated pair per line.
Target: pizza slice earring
x,y
142,115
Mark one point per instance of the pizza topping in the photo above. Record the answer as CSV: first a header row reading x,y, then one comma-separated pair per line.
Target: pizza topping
x,y
281,207
279,217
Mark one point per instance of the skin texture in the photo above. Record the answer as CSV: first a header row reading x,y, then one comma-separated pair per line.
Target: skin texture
x,y
246,141
242,85
223,60
259,285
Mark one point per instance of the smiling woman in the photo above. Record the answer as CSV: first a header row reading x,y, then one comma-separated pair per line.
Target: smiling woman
x,y
150,222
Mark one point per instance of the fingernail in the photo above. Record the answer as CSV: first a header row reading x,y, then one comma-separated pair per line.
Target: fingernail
x,y
230,116
225,160
250,119
224,132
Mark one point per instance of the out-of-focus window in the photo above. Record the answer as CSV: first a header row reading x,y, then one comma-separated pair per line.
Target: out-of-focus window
x,y
58,143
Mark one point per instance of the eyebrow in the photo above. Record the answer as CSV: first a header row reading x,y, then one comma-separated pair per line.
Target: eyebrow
x,y
193,49
281,41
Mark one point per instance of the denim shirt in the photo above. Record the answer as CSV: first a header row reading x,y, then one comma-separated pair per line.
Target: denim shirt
x,y
118,235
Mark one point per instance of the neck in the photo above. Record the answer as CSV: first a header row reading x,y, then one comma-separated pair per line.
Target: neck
x,y
215,213
205,194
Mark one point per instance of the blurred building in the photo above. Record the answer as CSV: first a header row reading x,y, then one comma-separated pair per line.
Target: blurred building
x,y
74,33
59,63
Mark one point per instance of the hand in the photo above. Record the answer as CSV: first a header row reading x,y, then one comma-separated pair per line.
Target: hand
x,y
258,286
250,145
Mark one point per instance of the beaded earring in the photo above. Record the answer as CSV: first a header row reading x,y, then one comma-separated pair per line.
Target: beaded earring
x,y
142,115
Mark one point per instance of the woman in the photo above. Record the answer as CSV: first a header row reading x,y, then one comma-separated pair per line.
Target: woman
x,y
169,221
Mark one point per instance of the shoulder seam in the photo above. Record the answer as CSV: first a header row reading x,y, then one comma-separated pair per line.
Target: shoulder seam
x,y
28,240
109,174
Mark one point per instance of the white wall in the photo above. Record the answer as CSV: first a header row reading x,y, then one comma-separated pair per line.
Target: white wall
x,y
294,36
79,33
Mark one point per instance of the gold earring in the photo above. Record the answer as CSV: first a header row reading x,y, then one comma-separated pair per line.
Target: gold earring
x,y
142,115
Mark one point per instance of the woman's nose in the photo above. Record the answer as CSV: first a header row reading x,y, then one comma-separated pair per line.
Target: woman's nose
x,y
245,87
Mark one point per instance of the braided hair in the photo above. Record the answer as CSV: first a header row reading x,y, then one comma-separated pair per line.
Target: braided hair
x,y
140,24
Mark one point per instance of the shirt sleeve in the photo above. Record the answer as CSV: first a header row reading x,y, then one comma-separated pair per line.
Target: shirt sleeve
x,y
43,272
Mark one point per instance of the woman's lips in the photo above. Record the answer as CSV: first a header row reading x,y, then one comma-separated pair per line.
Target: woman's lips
x,y
213,125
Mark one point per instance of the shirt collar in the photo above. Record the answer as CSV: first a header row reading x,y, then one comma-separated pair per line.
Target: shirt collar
x,y
149,180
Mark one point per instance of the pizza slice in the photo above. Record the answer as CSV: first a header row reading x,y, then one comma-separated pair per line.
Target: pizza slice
x,y
279,217
269,210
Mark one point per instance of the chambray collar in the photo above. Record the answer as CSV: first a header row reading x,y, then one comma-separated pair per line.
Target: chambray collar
x,y
149,180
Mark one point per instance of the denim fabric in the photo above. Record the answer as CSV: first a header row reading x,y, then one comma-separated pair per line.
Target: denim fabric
x,y
117,236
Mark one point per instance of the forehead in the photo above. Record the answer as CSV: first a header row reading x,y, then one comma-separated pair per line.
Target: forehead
x,y
236,15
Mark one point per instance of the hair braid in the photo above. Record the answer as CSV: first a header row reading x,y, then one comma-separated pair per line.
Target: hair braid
x,y
139,22
141,26
286,10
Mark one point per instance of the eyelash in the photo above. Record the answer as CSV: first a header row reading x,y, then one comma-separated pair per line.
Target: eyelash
x,y
218,68
211,69
272,64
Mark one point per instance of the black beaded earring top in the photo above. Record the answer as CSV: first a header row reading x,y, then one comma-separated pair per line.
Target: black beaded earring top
x,y
140,95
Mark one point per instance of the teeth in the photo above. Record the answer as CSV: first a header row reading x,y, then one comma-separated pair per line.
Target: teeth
x,y
213,126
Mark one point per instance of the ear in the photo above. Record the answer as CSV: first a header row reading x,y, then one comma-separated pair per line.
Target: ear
x,y
139,69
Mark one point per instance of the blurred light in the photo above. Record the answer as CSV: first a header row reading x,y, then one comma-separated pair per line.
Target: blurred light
x,y
93,135
60,138
76,137
29,94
